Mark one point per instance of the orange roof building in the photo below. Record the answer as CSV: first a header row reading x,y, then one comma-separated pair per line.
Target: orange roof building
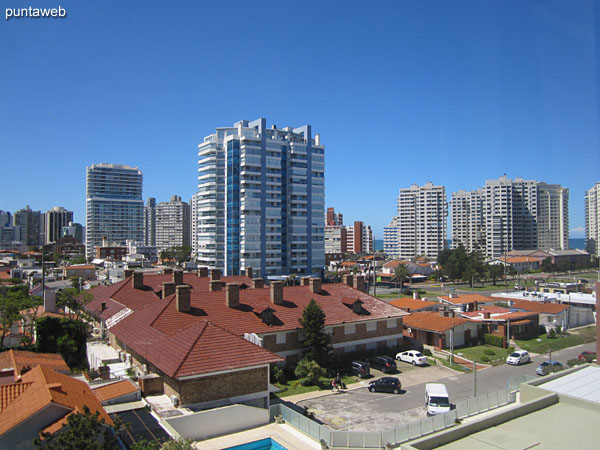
x,y
414,305
439,329
14,363
41,401
120,392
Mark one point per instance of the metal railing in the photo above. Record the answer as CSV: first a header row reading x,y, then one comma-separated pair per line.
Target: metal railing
x,y
404,433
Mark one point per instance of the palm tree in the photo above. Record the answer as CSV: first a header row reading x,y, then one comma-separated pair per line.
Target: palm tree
x,y
400,274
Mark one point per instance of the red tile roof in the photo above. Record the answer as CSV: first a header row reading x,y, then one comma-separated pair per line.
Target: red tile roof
x,y
412,304
45,386
466,298
114,390
21,360
540,307
432,321
394,263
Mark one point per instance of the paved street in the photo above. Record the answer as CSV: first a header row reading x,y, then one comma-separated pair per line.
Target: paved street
x,y
360,409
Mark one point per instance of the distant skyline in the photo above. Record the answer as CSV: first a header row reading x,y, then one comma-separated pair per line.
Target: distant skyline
x,y
401,92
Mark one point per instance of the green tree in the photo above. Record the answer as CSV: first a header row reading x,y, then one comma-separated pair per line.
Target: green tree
x,y
317,343
455,266
178,444
145,445
83,430
65,336
547,265
309,372
401,273
473,268
495,271
13,300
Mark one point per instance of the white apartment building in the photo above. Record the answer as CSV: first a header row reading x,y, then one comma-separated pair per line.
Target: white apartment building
x,y
359,238
172,224
592,220
261,200
507,215
419,228
150,222
114,205
194,225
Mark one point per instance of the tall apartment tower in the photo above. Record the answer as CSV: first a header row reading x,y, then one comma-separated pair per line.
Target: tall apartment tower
x,y
57,218
419,228
172,224
150,222
592,220
553,217
114,205
468,223
507,215
194,225
360,238
28,226
261,200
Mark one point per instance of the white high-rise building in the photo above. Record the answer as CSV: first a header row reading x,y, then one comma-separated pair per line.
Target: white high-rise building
x,y
114,205
172,224
261,200
419,228
592,220
194,225
507,215
150,222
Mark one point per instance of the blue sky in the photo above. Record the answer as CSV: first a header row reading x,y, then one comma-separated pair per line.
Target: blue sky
x,y
401,92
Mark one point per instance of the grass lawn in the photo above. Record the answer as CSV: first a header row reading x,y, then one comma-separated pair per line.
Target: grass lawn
x,y
391,295
446,363
294,387
475,354
546,344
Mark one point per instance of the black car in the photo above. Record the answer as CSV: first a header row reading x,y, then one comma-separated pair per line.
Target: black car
x,y
386,384
383,363
361,369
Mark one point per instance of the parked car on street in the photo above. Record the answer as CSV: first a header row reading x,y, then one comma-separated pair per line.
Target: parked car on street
x,y
383,363
386,384
518,357
360,368
549,366
413,357
587,356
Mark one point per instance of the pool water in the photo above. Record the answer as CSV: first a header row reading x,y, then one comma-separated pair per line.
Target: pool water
x,y
263,444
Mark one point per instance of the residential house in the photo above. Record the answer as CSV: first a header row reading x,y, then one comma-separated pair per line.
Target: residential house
x,y
519,263
123,391
465,302
506,323
415,305
553,314
15,363
41,401
85,272
440,329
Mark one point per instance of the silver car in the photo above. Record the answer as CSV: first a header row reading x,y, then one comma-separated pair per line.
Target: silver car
x,y
518,357
412,357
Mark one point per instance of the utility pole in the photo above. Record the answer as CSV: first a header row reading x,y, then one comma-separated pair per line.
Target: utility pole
x,y
474,379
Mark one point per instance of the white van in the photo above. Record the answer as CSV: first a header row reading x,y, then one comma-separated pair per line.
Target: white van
x,y
436,399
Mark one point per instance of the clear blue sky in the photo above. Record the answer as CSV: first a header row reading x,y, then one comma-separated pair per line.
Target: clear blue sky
x,y
402,92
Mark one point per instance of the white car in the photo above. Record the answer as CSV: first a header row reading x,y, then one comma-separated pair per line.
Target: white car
x,y
413,357
518,357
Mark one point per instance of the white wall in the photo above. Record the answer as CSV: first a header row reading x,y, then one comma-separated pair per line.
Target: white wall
x,y
217,422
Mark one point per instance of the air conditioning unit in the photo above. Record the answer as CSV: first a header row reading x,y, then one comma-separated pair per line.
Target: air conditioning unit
x,y
174,400
121,355
128,358
145,369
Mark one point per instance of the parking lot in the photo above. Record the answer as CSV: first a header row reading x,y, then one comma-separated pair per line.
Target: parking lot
x,y
359,409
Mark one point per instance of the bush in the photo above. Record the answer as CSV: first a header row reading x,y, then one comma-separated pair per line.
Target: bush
x,y
489,351
558,329
309,372
574,362
484,358
427,352
278,375
552,333
492,339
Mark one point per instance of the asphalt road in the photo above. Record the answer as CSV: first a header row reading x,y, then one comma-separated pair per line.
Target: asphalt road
x,y
362,410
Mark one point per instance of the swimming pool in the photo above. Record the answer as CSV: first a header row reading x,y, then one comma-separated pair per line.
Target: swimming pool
x,y
263,444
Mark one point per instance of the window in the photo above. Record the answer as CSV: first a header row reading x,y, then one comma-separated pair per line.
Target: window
x,y
371,326
349,328
392,323
350,349
280,338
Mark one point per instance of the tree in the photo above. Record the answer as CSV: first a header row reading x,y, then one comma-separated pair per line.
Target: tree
x,y
473,269
13,300
547,265
495,271
83,430
65,336
400,274
309,372
317,343
443,256
455,266
178,444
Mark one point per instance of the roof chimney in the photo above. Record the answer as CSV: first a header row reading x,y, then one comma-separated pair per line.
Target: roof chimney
x,y
178,277
215,274
183,298
315,285
305,281
138,280
258,283
167,270
359,283
486,315
103,306
127,273
203,272
277,292
214,286
232,295
348,280
168,288
249,272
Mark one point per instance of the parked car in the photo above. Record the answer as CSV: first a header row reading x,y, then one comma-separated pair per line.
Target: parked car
x,y
360,368
383,363
549,366
386,384
412,357
518,357
587,356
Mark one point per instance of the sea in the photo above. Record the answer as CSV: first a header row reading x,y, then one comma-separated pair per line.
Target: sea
x,y
574,243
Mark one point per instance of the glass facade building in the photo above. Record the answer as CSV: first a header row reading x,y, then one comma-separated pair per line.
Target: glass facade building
x,y
114,205
260,200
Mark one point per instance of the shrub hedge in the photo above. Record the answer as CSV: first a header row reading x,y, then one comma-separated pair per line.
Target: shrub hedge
x,y
492,339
